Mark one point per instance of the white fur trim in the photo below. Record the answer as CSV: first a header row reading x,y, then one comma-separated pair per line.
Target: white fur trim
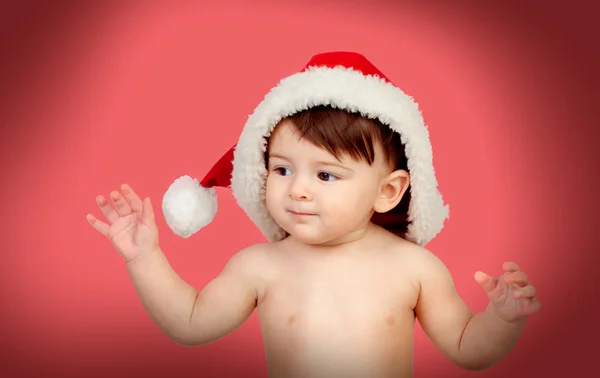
x,y
187,206
351,90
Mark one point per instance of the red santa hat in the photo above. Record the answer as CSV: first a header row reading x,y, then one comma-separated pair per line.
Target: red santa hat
x,y
344,80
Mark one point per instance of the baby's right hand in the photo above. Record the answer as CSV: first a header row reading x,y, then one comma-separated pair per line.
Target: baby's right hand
x,y
132,229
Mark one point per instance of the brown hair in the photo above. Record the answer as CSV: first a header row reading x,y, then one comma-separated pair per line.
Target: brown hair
x,y
339,131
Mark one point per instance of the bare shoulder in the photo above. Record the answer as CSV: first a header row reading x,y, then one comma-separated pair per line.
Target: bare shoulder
x,y
424,265
424,259
250,261
253,266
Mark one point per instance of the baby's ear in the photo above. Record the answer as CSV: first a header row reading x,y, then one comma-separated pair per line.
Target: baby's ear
x,y
391,191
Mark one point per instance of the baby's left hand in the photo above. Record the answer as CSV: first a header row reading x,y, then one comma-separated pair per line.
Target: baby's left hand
x,y
511,294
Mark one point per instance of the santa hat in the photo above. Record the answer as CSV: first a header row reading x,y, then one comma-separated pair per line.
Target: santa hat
x,y
343,80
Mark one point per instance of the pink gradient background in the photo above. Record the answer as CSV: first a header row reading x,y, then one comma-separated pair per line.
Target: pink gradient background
x,y
95,96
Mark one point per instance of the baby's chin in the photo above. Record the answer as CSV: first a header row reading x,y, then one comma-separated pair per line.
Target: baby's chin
x,y
316,238
305,236
316,231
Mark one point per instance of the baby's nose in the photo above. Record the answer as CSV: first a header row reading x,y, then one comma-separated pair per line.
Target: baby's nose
x,y
299,191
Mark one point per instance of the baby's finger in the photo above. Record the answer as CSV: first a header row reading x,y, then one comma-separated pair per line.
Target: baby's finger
x,y
133,198
532,307
525,292
97,224
107,209
510,267
148,215
123,207
518,278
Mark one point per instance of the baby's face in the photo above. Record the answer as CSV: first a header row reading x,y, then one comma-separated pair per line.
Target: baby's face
x,y
315,197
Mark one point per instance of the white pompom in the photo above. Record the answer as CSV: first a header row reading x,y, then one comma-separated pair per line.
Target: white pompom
x,y
187,206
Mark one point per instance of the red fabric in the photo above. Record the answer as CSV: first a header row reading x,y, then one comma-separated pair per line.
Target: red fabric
x,y
220,173
345,59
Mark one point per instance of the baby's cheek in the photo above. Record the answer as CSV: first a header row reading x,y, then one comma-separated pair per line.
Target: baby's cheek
x,y
345,207
273,200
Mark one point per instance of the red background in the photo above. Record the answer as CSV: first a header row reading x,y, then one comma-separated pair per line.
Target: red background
x,y
92,96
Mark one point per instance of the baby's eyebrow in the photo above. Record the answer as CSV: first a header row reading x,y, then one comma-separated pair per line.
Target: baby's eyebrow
x,y
277,155
333,164
320,162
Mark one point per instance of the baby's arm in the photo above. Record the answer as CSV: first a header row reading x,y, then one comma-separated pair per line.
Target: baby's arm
x,y
194,318
473,342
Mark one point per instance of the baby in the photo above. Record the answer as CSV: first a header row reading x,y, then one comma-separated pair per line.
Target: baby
x,y
346,203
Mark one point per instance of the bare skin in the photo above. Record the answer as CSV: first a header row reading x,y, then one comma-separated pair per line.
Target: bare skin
x,y
348,314
346,310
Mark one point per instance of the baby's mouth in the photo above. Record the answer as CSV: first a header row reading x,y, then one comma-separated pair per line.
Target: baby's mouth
x,y
302,214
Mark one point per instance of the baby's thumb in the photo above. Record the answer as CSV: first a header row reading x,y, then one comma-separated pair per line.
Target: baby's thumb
x,y
485,280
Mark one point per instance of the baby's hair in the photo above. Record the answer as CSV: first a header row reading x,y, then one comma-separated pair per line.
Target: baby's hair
x,y
339,131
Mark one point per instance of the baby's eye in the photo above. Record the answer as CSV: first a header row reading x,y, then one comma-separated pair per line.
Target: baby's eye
x,y
324,176
282,171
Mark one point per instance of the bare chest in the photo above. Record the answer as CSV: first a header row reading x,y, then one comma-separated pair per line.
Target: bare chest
x,y
362,303
359,321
